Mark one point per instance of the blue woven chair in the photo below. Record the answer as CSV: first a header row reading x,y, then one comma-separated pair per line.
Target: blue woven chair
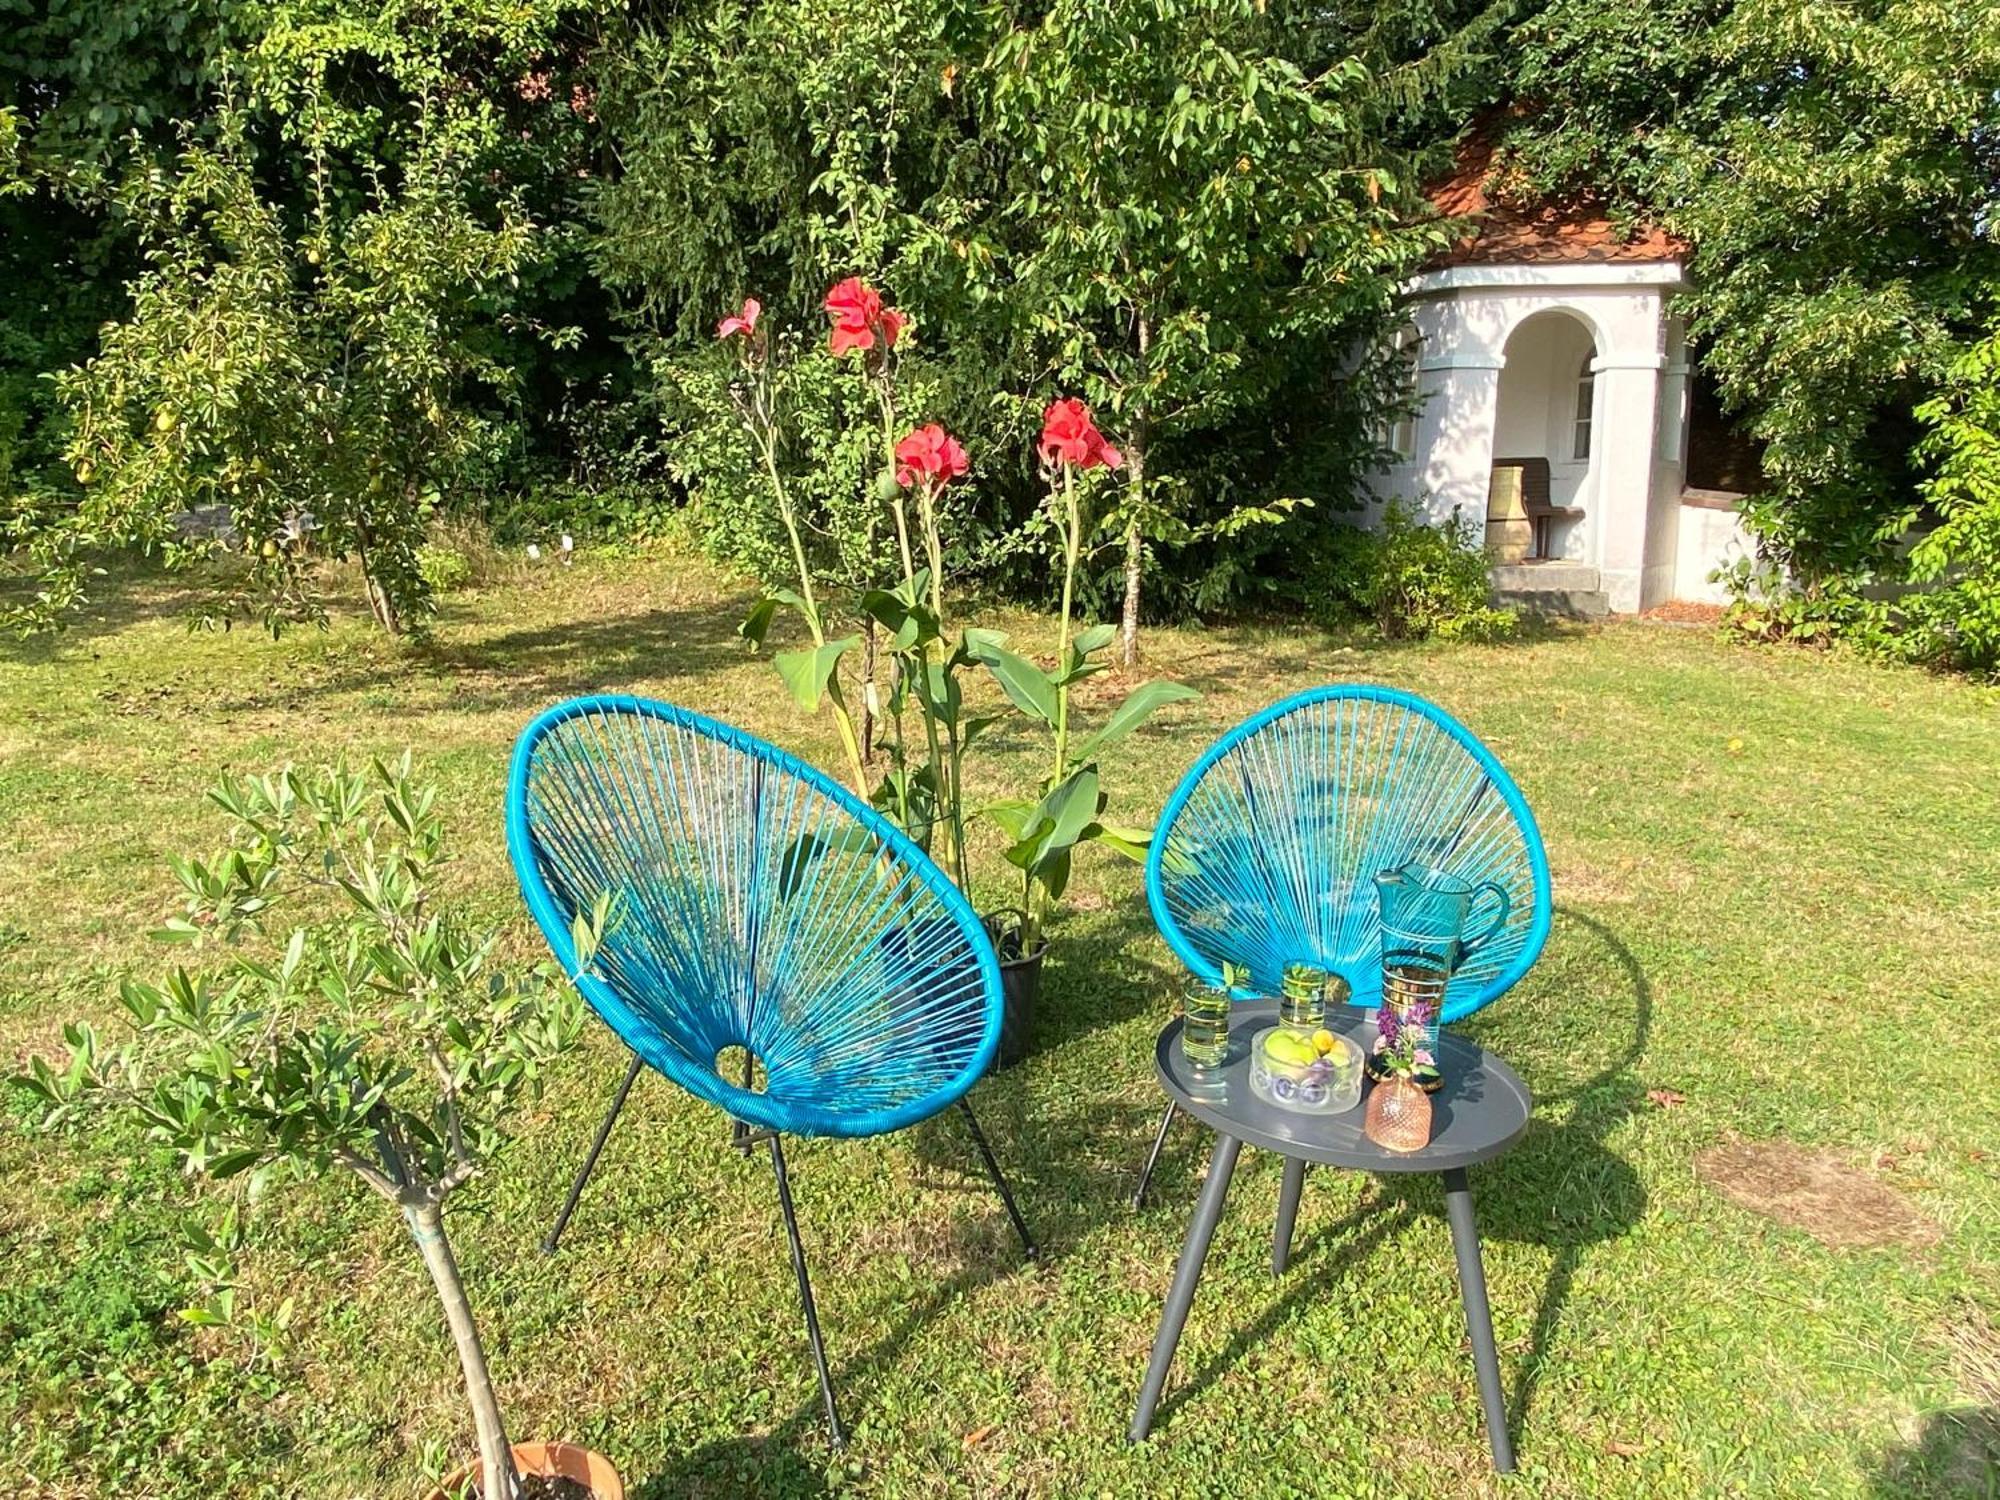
x,y
1267,851
755,905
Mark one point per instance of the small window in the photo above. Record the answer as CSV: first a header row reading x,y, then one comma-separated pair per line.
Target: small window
x,y
1586,397
1403,430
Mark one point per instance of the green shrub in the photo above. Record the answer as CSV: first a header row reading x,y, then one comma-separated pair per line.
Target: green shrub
x,y
445,569
1413,581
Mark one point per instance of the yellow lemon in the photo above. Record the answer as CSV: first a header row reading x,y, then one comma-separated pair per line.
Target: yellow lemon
x,y
1289,1048
1323,1040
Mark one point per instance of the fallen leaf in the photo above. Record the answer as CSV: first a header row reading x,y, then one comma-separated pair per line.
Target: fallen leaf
x,y
1666,1098
1619,1448
978,1435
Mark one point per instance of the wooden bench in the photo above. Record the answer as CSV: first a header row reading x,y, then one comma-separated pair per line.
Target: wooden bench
x,y
1535,500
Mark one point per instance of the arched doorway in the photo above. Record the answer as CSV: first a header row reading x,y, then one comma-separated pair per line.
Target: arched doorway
x,y
1545,442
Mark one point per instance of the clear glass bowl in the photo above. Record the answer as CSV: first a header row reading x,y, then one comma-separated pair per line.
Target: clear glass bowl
x,y
1281,1075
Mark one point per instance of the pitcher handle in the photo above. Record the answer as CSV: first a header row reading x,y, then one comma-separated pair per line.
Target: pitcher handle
x,y
1472,944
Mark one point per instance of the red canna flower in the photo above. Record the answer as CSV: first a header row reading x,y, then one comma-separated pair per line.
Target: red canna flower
x,y
1070,437
744,322
929,455
859,317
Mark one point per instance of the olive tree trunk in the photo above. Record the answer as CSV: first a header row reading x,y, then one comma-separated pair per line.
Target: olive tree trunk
x,y
496,1458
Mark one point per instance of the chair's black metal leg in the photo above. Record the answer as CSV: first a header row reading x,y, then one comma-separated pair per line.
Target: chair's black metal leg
x,y
1153,1157
806,1293
999,1181
590,1161
1478,1317
1288,1213
740,1138
1187,1272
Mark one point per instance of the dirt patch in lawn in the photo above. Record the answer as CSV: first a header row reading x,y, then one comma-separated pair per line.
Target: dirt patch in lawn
x,y
1836,1203
1685,612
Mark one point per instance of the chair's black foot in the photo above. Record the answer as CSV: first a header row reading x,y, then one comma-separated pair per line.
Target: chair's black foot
x,y
806,1294
1028,1245
554,1236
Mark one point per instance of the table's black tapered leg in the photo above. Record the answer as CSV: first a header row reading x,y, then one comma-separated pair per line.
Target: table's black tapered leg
x,y
1153,1157
1180,1296
1478,1318
1288,1213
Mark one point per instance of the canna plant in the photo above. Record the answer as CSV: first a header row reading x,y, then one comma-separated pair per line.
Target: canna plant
x,y
919,787
1044,831
386,1042
812,673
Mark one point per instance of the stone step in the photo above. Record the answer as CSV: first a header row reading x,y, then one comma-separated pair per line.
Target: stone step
x,y
1539,577
1564,604
1567,590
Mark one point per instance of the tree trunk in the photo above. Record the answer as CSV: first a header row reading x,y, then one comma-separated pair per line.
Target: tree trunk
x,y
1135,545
380,605
1135,548
427,1229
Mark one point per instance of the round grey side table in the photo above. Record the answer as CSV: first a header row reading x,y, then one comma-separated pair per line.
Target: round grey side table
x,y
1481,1111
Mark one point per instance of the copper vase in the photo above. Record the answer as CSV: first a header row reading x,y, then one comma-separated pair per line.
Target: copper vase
x,y
1399,1115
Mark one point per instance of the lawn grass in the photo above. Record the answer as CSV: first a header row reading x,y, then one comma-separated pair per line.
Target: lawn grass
x,y
1777,881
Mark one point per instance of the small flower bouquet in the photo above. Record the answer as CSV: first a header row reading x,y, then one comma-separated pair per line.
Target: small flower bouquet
x,y
1406,1040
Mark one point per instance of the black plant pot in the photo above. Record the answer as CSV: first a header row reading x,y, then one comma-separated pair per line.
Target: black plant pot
x,y
1020,984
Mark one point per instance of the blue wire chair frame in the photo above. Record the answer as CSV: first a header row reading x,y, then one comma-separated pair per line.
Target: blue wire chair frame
x,y
755,904
1266,852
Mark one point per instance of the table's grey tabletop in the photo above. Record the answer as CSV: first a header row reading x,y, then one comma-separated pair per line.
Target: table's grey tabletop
x,y
1481,1110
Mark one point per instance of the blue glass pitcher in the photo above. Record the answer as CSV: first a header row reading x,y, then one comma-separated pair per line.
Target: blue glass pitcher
x,y
1425,918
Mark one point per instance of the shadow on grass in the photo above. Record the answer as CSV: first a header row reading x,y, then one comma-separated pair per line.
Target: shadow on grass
x,y
785,1461
528,668
131,592
1560,1187
1954,1453
1254,651
769,1468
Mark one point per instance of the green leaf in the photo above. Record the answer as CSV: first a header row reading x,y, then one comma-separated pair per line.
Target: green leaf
x,y
1054,824
1139,705
1096,638
808,670
1024,683
757,623
806,851
910,624
1130,842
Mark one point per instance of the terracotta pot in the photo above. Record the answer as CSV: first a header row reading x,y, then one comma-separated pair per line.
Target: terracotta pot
x,y
562,1460
1398,1117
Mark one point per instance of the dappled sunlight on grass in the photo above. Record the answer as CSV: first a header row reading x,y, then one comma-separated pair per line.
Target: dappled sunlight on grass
x,y
1763,861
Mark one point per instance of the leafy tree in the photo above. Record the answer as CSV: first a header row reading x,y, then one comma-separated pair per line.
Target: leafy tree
x,y
1955,618
1184,203
387,1044
307,383
345,211
1837,169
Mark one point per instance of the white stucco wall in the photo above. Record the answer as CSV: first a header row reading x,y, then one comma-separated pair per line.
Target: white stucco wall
x,y
1707,539
1465,316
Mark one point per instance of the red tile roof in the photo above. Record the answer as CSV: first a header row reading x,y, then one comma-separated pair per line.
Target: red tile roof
x,y
1511,230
